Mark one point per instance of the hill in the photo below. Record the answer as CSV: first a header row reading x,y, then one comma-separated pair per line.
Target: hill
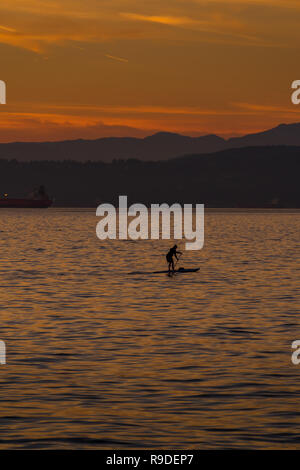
x,y
160,146
246,177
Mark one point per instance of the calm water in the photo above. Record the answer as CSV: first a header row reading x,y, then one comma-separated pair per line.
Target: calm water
x,y
97,358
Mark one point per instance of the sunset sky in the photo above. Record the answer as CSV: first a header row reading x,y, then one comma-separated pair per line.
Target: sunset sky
x,y
93,68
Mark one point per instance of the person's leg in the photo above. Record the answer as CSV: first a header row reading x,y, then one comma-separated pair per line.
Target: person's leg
x,y
173,267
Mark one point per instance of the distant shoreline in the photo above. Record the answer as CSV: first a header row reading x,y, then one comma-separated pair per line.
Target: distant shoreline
x,y
207,209
247,178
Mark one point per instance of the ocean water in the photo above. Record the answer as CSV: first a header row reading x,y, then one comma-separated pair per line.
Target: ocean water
x,y
101,359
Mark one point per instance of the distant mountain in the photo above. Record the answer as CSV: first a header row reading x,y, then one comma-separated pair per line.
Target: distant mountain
x,y
284,134
246,177
160,146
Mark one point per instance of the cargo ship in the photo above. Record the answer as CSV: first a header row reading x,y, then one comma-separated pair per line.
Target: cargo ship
x,y
37,199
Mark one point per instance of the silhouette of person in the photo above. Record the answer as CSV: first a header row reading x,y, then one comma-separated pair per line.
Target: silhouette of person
x,y
172,252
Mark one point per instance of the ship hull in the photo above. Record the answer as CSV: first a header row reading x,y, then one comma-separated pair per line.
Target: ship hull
x,y
25,203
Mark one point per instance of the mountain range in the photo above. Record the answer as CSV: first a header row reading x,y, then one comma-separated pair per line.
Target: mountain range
x,y
157,147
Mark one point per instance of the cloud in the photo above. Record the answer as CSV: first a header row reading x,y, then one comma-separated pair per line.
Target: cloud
x,y
142,110
167,20
217,26
46,122
28,127
119,59
37,25
245,3
6,28
255,108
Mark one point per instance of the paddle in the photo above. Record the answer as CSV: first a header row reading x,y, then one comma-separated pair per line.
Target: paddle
x,y
176,263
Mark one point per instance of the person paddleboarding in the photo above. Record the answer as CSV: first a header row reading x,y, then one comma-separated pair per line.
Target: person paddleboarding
x,y
172,252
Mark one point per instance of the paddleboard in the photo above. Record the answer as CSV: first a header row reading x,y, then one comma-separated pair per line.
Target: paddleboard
x,y
177,271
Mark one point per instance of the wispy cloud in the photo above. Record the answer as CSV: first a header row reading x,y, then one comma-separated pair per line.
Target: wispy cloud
x,y
167,20
218,26
265,108
90,113
54,122
6,28
36,25
40,127
294,4
136,110
119,59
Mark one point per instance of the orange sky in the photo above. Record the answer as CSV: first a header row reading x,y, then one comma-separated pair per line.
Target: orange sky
x,y
92,68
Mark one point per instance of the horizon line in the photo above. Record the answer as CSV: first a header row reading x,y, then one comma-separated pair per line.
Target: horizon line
x,y
151,134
